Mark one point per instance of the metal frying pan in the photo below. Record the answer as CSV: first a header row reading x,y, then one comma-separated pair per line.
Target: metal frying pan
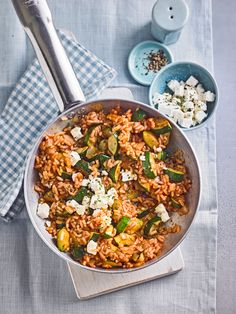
x,y
37,21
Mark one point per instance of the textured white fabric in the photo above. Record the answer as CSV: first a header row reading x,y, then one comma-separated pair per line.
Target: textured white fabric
x,y
34,279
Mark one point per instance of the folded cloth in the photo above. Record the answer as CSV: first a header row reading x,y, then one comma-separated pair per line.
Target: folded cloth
x,y
30,108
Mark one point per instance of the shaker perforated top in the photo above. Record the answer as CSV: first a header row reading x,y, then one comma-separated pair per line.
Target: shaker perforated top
x,y
170,15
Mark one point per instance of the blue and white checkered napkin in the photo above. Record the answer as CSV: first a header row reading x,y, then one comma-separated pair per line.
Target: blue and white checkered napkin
x,y
29,109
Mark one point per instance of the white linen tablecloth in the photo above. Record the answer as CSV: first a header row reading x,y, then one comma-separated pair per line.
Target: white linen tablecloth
x,y
33,279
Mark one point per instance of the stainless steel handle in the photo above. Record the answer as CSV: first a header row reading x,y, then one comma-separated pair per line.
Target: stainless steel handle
x,y
36,18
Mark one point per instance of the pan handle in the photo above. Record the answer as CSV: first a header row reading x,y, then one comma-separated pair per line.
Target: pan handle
x,y
36,19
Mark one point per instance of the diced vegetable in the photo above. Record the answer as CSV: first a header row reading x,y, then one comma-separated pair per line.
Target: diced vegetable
x,y
110,232
66,175
145,186
103,145
134,225
87,138
136,257
162,126
80,195
124,239
138,115
103,158
95,236
149,165
92,153
174,175
78,252
60,225
82,151
63,240
151,225
111,263
115,172
175,203
122,224
150,139
144,213
161,155
107,131
83,166
113,144
49,196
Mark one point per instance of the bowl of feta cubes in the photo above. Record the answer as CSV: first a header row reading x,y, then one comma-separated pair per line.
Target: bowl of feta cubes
x,y
186,92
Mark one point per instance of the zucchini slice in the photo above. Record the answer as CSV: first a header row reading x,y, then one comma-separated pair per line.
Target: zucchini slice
x,y
95,236
136,224
112,144
175,203
122,224
107,131
111,264
63,240
161,155
150,139
174,175
82,151
80,195
114,173
138,115
143,213
78,252
109,233
151,225
83,166
162,126
87,138
144,186
103,145
124,239
92,153
148,165
66,175
103,158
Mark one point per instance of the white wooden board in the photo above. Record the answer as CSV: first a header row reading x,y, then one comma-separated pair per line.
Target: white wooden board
x,y
89,284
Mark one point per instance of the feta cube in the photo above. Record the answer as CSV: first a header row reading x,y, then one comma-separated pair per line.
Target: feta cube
x,y
158,149
200,106
192,81
111,196
128,176
86,202
178,115
162,212
75,157
200,90
200,115
188,105
98,201
96,186
80,209
165,109
142,158
92,247
173,84
179,91
185,122
43,210
104,173
84,182
76,133
209,96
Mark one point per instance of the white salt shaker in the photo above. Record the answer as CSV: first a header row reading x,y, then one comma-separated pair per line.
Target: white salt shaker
x,y
168,19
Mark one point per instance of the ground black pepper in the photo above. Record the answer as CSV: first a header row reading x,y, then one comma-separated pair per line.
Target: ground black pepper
x,y
157,60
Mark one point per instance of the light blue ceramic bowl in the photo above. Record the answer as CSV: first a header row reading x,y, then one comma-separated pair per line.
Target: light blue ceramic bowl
x,y
181,71
138,60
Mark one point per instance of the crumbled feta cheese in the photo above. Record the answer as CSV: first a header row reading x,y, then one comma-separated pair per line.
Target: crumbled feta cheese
x,y
106,221
186,122
92,247
173,85
179,91
75,157
104,173
96,186
76,133
80,209
162,212
200,115
86,202
111,195
209,96
98,201
192,81
43,210
142,157
159,149
128,176
85,182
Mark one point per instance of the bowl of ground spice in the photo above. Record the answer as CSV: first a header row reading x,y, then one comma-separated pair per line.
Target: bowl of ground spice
x,y
146,59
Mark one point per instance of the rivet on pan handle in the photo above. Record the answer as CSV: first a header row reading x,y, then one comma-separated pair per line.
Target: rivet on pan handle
x,y
36,18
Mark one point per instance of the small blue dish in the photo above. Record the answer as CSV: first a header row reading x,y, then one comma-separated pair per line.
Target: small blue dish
x,y
181,71
138,61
